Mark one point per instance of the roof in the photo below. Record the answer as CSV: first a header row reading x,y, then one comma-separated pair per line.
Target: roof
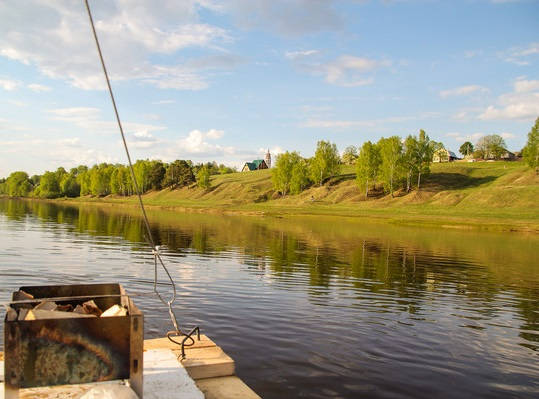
x,y
449,153
255,164
250,165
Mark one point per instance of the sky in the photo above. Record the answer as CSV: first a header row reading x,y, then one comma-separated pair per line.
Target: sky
x,y
223,81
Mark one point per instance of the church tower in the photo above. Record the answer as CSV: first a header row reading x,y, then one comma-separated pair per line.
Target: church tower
x,y
268,159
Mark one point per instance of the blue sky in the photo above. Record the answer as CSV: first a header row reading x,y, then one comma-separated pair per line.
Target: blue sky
x,y
211,80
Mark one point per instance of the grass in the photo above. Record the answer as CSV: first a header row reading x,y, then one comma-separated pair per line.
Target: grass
x,y
485,195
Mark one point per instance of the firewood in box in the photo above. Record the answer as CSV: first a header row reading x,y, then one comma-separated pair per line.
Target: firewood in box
x,y
91,308
115,310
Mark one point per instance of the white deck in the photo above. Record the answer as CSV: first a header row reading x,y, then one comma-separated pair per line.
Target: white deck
x,y
164,378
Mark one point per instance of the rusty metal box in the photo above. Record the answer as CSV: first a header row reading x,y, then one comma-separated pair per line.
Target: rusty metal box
x,y
74,350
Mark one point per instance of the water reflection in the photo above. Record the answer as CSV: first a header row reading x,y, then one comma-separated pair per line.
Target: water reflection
x,y
380,310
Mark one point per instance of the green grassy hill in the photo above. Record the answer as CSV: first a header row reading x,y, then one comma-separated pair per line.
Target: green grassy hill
x,y
502,195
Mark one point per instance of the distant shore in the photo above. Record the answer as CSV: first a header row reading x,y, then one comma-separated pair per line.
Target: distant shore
x,y
497,196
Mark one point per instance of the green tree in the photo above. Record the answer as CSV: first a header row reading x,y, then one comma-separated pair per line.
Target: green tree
x,y
35,180
156,175
18,184
223,169
286,168
300,175
100,179
49,186
466,149
391,155
83,178
69,185
425,152
142,171
491,146
203,177
124,180
178,174
367,166
410,159
531,150
349,155
325,163
115,182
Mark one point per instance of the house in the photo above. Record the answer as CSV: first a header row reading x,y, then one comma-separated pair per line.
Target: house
x,y
443,155
508,156
257,164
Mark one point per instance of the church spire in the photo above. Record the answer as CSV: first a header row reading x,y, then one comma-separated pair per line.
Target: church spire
x,y
267,159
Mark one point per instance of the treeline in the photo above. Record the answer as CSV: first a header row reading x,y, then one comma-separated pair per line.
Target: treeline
x,y
391,161
394,163
105,179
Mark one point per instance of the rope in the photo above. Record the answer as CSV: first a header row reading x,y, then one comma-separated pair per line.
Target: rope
x,y
155,249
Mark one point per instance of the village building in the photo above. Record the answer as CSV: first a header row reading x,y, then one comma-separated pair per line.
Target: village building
x,y
509,156
444,155
258,164
267,159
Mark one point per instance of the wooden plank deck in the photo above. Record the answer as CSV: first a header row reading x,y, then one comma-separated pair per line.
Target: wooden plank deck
x,y
212,370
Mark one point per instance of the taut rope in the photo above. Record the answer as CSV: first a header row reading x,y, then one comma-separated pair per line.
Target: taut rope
x,y
155,249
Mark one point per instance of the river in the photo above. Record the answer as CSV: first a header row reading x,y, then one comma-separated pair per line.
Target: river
x,y
314,307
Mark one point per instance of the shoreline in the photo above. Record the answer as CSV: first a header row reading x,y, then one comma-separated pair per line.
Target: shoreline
x,y
381,216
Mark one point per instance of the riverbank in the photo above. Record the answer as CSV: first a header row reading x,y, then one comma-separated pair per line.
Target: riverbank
x,y
493,196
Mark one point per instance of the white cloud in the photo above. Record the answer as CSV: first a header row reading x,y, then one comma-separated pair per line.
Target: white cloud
x,y
285,17
8,84
298,54
142,134
90,119
523,85
520,104
462,137
142,139
38,88
513,106
463,91
520,55
8,126
274,151
151,117
507,135
59,43
198,142
17,103
473,137
73,141
160,102
214,134
347,70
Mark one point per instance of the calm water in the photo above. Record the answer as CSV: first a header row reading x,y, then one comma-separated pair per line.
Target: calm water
x,y
310,307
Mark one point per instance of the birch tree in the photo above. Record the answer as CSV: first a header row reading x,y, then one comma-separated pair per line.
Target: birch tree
x,y
424,154
531,151
367,166
325,163
391,155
